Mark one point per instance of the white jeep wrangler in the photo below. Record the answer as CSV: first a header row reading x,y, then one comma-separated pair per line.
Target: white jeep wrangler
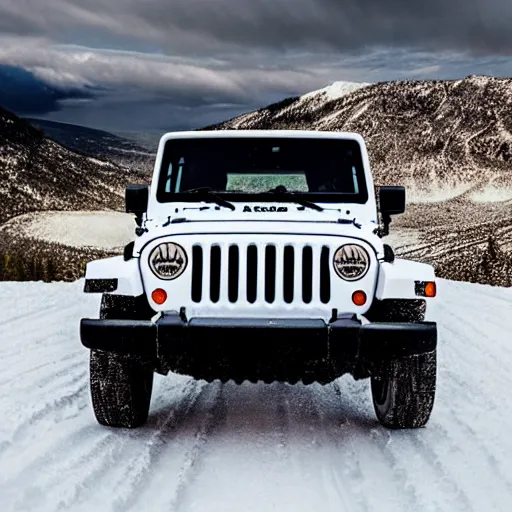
x,y
259,256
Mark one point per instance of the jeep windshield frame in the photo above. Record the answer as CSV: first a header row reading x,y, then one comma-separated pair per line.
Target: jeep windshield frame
x,y
332,169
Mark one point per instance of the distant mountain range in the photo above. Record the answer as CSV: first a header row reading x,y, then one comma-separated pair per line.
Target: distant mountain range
x,y
37,173
121,150
439,138
448,142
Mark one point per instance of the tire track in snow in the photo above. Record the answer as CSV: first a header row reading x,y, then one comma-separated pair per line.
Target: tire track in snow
x,y
74,400
20,384
22,375
327,440
496,477
86,455
282,422
156,447
117,466
435,470
191,460
179,443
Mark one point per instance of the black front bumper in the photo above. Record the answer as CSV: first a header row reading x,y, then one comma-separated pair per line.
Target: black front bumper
x,y
266,349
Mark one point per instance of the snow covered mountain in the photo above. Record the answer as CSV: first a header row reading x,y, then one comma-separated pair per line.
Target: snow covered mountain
x,y
439,138
37,173
287,109
334,91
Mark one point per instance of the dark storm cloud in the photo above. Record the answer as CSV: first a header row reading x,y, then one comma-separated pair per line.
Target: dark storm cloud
x,y
480,26
25,94
178,80
474,25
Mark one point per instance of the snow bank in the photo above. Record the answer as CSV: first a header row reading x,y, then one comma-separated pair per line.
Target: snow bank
x,y
102,230
492,194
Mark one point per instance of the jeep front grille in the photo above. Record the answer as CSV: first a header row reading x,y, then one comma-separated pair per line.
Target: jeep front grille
x,y
261,272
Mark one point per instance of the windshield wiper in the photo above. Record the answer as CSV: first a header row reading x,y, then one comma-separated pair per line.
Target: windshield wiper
x,y
283,192
206,193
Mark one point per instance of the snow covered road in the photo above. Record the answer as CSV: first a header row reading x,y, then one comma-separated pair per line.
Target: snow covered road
x,y
213,447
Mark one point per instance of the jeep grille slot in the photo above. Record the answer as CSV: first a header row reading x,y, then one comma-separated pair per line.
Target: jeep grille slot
x,y
288,272
270,273
233,273
215,260
325,277
252,273
261,273
307,274
197,273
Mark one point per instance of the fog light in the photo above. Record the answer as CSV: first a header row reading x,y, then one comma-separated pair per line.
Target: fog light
x,y
159,296
359,298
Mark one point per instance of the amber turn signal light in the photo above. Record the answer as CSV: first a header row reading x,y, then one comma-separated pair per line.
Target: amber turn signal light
x,y
425,288
359,298
430,289
159,296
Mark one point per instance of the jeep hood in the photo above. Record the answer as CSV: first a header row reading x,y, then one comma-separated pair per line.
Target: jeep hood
x,y
307,223
258,212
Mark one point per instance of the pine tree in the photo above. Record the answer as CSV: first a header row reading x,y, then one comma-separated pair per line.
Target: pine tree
x,y
7,266
51,271
19,268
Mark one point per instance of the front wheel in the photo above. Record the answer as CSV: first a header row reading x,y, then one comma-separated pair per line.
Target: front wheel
x,y
403,394
120,388
121,385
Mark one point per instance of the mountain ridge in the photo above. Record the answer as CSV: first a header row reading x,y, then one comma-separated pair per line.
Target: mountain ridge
x,y
436,137
97,143
37,173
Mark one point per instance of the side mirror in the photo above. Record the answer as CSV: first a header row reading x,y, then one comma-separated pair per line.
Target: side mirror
x,y
136,199
392,200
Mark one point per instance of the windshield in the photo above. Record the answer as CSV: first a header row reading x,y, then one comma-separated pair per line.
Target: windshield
x,y
329,170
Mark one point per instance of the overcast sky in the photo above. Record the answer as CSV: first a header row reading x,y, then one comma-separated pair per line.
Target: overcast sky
x,y
179,64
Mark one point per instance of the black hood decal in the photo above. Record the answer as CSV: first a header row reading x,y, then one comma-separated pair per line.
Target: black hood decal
x,y
263,209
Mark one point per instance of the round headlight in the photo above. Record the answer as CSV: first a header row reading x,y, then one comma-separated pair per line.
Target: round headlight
x,y
168,261
351,262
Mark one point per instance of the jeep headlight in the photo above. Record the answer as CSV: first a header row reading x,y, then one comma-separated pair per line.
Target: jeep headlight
x,y
168,261
351,262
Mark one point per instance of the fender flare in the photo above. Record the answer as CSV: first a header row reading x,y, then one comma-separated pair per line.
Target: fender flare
x,y
114,276
398,280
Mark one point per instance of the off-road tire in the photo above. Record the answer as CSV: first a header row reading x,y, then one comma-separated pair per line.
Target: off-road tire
x,y
121,385
404,391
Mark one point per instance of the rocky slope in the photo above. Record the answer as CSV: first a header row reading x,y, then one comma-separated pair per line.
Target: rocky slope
x,y
99,144
273,116
439,138
37,173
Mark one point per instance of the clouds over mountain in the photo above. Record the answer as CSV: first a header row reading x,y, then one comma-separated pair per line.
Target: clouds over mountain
x,y
202,26
183,61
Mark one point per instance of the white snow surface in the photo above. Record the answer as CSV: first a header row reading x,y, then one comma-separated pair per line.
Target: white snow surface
x,y
108,230
255,447
336,90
